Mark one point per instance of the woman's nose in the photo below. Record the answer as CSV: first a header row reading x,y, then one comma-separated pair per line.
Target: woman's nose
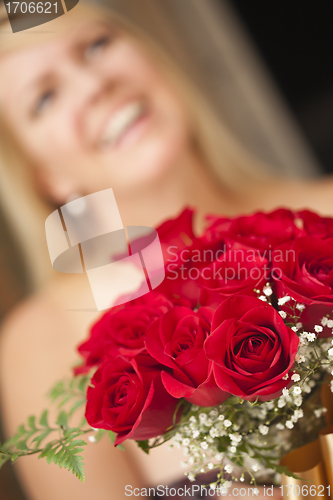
x,y
88,85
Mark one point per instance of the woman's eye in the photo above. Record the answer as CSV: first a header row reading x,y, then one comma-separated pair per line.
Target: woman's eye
x,y
97,46
43,102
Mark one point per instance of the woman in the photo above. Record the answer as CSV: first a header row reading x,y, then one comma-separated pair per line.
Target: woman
x,y
97,104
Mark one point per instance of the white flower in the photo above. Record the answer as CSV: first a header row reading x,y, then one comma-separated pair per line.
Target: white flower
x,y
186,442
289,424
281,402
298,413
204,445
324,321
298,400
255,467
267,290
210,466
294,328
263,298
227,485
280,426
300,307
235,437
297,390
283,300
285,391
330,323
319,412
191,477
330,353
193,419
221,417
92,439
283,314
183,465
318,328
311,337
299,325
285,377
202,417
195,434
233,449
256,491
219,457
227,423
263,429
228,468
295,377
242,478
300,358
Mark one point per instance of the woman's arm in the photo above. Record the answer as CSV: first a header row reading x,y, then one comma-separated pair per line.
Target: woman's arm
x,y
37,348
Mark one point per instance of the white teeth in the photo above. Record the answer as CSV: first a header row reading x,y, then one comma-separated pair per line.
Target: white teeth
x,y
121,121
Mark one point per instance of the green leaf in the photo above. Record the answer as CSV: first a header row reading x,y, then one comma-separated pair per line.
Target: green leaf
x,y
38,439
47,448
82,384
57,391
3,459
22,445
280,469
43,419
32,423
64,401
76,405
15,456
50,454
100,433
62,419
69,459
144,445
112,436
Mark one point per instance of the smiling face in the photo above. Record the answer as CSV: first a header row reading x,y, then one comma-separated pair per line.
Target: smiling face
x,y
92,111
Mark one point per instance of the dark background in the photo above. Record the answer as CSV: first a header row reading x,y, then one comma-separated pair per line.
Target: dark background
x,y
295,40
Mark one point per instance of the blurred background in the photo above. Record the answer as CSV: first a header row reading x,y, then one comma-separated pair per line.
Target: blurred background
x,y
275,86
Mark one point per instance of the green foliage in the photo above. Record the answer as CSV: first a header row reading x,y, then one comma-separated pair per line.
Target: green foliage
x,y
60,443
144,445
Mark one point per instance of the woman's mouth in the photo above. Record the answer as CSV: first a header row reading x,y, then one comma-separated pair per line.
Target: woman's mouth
x,y
122,122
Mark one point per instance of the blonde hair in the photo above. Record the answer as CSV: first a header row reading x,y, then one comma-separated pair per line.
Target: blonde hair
x,y
144,22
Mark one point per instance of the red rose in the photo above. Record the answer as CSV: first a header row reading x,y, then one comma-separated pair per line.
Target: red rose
x,y
261,230
304,271
251,348
130,400
176,341
179,244
176,234
121,330
238,271
315,225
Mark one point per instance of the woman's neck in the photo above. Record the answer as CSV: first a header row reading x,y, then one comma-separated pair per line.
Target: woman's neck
x,y
189,183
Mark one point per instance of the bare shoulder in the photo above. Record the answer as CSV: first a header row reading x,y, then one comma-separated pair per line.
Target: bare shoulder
x,y
313,194
37,347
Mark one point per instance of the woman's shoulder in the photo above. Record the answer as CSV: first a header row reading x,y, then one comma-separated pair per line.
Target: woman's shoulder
x,y
313,194
38,343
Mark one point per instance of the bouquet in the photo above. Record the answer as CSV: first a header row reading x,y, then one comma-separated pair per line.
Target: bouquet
x,y
224,359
